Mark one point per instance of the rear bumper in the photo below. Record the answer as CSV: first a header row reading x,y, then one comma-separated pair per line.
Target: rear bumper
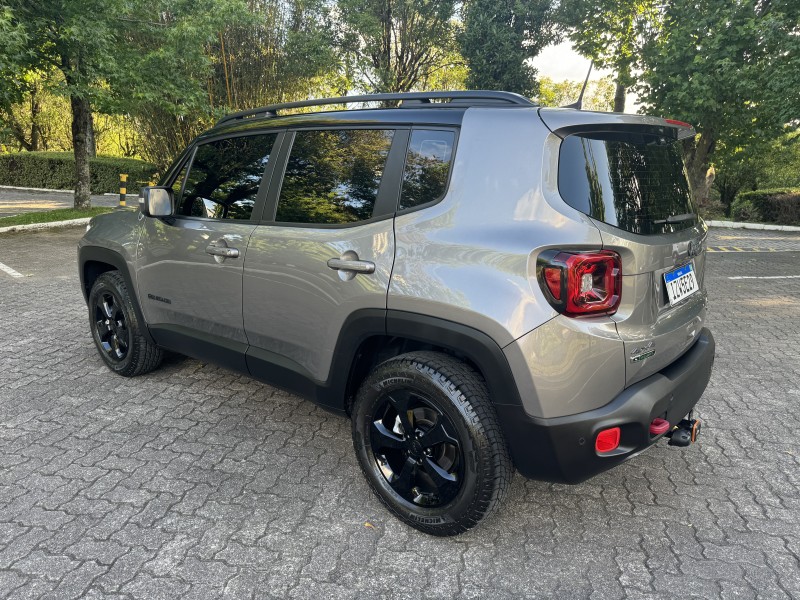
x,y
562,449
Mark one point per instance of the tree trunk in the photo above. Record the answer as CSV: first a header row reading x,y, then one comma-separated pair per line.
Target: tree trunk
x,y
90,142
700,176
80,142
36,109
619,98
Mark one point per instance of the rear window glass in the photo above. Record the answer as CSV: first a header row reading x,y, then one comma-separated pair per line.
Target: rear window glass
x,y
634,182
333,177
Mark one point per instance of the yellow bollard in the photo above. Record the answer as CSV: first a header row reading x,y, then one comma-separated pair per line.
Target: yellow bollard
x,y
123,182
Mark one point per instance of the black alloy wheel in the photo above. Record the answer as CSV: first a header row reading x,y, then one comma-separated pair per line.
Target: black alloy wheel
x,y
416,449
110,326
428,442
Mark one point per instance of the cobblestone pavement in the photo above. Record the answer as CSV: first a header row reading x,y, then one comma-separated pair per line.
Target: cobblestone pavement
x,y
748,240
195,482
15,202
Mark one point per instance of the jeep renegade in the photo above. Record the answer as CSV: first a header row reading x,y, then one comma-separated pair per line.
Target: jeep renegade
x,y
479,283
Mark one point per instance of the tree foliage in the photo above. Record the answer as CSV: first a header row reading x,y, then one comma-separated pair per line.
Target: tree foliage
x,y
76,38
396,44
599,93
714,63
610,32
499,39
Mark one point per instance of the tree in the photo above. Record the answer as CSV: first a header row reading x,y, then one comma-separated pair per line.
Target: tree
x,y
396,44
610,33
599,93
220,56
714,64
499,39
79,39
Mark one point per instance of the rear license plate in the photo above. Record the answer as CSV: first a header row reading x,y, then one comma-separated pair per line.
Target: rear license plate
x,y
681,283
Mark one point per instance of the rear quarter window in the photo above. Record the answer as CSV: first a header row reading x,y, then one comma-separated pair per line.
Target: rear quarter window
x,y
427,168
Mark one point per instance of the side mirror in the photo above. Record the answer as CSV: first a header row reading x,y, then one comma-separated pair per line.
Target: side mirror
x,y
156,201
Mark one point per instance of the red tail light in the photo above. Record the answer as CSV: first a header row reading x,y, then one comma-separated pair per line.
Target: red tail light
x,y
581,283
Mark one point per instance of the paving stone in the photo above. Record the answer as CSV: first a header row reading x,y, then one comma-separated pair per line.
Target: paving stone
x,y
195,482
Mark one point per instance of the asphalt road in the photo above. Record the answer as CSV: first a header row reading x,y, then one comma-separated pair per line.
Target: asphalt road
x,y
195,482
15,202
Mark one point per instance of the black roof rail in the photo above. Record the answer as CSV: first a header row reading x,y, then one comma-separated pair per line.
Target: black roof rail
x,y
457,98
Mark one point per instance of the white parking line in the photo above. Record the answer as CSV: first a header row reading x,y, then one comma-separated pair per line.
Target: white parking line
x,y
766,277
10,271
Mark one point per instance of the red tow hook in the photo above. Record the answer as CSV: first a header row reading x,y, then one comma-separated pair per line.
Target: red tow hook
x,y
659,427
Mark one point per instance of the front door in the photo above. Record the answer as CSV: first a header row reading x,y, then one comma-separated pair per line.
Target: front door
x,y
190,265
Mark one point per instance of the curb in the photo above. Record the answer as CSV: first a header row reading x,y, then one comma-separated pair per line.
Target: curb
x,y
40,226
51,191
758,226
27,189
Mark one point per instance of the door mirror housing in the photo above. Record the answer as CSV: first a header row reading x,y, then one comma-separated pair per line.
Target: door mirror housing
x,y
156,201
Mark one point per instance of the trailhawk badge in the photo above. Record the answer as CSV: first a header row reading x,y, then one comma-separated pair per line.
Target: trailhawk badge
x,y
644,352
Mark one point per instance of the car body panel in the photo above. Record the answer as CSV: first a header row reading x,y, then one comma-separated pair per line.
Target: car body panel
x,y
471,258
294,304
181,284
117,231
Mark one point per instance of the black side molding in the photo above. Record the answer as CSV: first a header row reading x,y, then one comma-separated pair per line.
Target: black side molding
x,y
475,345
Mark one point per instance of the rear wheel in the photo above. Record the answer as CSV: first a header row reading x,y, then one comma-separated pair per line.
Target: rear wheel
x,y
116,331
429,444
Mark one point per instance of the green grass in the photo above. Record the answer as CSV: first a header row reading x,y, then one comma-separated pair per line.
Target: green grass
x,y
48,216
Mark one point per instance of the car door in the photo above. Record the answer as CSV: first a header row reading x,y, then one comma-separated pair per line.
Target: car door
x,y
190,264
325,247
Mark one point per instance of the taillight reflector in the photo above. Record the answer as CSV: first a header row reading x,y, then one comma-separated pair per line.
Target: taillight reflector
x,y
607,440
678,123
581,283
552,277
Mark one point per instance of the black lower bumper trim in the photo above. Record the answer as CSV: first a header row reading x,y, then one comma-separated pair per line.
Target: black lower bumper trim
x,y
562,449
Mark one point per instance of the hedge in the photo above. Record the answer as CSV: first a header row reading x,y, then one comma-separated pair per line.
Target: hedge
x,y
781,206
56,170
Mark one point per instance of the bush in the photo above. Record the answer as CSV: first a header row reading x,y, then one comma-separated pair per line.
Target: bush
x,y
56,170
781,206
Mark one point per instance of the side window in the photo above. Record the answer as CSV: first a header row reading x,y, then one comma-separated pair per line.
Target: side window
x,y
430,153
224,178
333,176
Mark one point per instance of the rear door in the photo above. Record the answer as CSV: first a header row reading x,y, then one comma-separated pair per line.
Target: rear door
x,y
190,264
627,174
325,246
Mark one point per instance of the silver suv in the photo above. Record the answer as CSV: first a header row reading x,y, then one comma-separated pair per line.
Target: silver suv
x,y
480,284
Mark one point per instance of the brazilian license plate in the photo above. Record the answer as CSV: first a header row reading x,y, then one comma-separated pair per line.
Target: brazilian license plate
x,y
681,283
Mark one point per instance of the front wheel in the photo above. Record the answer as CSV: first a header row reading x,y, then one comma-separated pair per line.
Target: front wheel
x,y
116,331
428,441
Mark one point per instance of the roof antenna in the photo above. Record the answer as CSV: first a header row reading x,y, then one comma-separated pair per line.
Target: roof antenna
x,y
579,103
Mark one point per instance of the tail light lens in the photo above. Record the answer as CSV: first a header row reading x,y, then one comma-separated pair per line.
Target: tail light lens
x,y
581,284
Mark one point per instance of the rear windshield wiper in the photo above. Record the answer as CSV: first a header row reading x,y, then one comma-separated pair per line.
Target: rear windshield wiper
x,y
676,219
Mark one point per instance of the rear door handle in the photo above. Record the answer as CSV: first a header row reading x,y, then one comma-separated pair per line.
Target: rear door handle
x,y
354,266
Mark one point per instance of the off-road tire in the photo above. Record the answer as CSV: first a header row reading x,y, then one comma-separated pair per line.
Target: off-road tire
x,y
460,393
141,355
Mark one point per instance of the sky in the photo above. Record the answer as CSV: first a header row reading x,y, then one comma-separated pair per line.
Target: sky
x,y
561,62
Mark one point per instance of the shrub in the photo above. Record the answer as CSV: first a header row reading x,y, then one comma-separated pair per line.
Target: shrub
x,y
780,206
56,170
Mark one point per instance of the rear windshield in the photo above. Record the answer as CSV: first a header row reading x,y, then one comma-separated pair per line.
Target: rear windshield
x,y
636,182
